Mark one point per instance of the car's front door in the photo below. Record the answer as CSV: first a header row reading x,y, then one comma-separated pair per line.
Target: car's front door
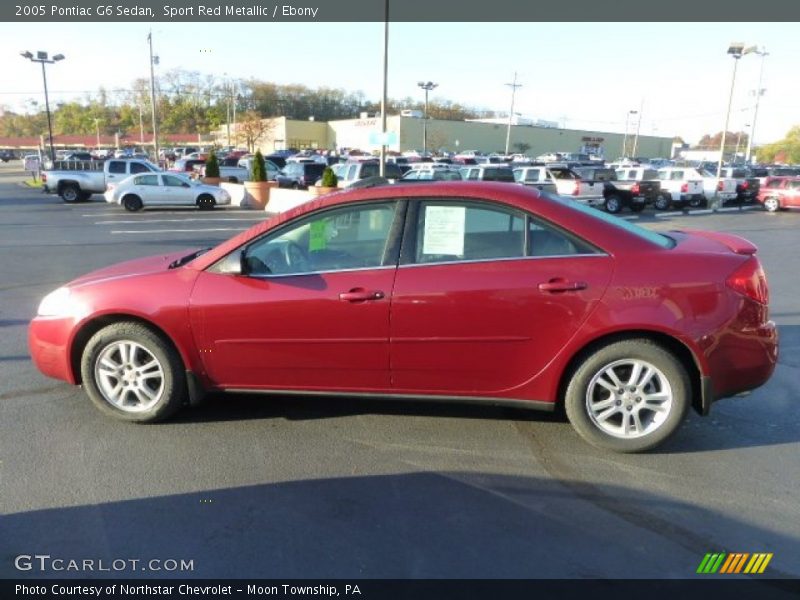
x,y
177,190
311,311
485,297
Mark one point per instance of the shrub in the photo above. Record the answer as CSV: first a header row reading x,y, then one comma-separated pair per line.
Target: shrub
x,y
212,165
329,178
258,170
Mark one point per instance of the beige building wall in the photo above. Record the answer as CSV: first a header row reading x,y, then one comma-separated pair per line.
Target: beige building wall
x,y
282,133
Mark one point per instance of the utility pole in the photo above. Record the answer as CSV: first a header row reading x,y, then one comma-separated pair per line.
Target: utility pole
x,y
384,95
513,87
427,86
638,127
153,96
759,92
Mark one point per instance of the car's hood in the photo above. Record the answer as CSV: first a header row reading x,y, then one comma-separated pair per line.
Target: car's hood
x,y
129,268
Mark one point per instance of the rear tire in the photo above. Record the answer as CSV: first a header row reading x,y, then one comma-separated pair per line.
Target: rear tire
x,y
772,204
133,374
613,204
662,202
70,193
132,203
628,396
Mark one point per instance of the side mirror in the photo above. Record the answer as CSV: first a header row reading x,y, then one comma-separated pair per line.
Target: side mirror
x,y
233,264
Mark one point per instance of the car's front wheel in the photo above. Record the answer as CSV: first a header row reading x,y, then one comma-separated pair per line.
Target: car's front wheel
x,y
772,204
613,204
132,374
663,201
628,396
206,202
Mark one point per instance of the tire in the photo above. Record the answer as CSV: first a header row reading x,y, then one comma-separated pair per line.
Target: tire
x,y
610,420
132,203
613,204
698,201
70,193
206,202
84,196
638,207
772,204
132,374
295,186
662,202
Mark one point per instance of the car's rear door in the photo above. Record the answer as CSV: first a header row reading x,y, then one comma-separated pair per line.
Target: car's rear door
x,y
485,296
313,311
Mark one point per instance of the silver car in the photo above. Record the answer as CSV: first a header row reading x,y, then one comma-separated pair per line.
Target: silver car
x,y
164,189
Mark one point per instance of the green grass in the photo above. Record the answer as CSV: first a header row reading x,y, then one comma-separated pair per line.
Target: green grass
x,y
34,183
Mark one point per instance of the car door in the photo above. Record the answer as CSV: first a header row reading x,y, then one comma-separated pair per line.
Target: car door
x,y
311,311
485,296
792,195
147,187
177,191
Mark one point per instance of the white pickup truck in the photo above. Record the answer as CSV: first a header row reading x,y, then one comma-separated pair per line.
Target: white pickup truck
x,y
568,182
683,184
76,181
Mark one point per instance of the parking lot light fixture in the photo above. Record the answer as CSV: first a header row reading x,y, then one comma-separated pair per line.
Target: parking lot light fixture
x,y
625,137
43,58
427,86
737,50
759,91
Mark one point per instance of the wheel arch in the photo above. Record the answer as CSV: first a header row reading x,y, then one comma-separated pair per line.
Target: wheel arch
x,y
678,348
89,328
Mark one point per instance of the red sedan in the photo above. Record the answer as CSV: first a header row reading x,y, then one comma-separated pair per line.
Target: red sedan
x,y
780,193
477,292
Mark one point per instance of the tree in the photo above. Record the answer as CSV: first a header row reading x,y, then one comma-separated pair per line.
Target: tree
x,y
786,151
252,129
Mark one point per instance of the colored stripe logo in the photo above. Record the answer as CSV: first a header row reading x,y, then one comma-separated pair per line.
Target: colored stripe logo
x,y
733,563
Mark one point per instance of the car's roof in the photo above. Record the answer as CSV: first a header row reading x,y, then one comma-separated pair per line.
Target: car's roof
x,y
523,198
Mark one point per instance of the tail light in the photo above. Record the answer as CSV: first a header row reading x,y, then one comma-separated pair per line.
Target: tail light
x,y
576,191
685,188
749,280
746,185
635,188
720,186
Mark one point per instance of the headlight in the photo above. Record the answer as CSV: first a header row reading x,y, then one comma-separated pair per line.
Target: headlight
x,y
57,303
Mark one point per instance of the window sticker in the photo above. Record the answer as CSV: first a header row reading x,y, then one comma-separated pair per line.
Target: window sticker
x,y
317,240
444,230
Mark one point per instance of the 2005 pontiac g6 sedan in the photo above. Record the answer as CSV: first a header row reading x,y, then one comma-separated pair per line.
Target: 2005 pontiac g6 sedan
x,y
477,292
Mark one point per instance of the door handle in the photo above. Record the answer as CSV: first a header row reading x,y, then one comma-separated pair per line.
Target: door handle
x,y
562,285
360,295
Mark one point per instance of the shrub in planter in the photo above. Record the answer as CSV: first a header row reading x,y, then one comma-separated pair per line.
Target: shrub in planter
x,y
329,178
212,170
258,170
258,186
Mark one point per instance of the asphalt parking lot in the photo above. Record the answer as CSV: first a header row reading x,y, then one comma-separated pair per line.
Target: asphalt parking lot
x,y
247,486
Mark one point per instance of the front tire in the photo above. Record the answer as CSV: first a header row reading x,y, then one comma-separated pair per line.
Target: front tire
x,y
628,396
662,202
613,204
70,193
131,373
772,205
206,202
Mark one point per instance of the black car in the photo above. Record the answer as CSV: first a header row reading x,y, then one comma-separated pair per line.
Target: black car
x,y
300,176
277,159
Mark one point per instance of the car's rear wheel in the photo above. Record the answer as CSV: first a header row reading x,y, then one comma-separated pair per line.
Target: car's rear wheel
x,y
772,204
662,202
206,202
613,204
132,374
628,396
132,203
70,193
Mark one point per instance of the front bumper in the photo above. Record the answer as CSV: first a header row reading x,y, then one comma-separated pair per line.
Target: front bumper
x,y
49,343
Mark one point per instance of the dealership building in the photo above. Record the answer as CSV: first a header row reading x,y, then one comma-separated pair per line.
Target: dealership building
x,y
406,133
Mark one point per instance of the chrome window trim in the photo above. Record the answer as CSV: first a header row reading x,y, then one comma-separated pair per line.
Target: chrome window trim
x,y
503,259
281,275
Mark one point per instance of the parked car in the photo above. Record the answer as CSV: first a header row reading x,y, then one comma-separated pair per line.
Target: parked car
x,y
782,193
300,175
187,165
571,305
567,182
77,181
352,171
431,175
164,189
747,184
619,194
487,172
536,177
661,200
684,186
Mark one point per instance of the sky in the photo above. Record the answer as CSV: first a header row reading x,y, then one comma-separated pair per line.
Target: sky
x,y
582,75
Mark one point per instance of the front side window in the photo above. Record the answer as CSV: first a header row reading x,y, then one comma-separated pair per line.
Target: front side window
x,y
172,181
139,168
332,240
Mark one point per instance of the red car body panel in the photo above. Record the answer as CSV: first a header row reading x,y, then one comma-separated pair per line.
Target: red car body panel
x,y
785,189
476,329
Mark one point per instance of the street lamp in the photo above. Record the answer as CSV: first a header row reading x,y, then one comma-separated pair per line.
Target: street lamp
x,y
513,87
427,86
43,58
625,137
758,93
737,50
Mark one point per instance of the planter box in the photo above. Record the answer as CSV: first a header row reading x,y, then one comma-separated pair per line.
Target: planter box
x,y
283,199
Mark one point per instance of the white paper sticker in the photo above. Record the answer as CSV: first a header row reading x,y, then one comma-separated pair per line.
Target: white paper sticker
x,y
444,230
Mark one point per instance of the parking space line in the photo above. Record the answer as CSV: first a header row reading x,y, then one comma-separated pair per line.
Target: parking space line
x,y
148,221
116,213
179,230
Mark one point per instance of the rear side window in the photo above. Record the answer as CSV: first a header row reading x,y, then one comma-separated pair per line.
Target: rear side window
x,y
139,168
116,166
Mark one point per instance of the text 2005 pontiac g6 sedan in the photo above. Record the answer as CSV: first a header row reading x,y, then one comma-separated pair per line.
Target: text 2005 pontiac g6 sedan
x,y
475,292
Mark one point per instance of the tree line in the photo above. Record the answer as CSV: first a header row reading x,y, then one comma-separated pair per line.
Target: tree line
x,y
192,102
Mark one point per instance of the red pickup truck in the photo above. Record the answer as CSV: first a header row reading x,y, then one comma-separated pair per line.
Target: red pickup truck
x,y
781,193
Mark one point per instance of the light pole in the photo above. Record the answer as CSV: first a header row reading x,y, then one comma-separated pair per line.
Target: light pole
x,y
638,127
43,58
625,137
97,130
513,87
738,143
427,86
737,51
385,91
153,62
758,92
